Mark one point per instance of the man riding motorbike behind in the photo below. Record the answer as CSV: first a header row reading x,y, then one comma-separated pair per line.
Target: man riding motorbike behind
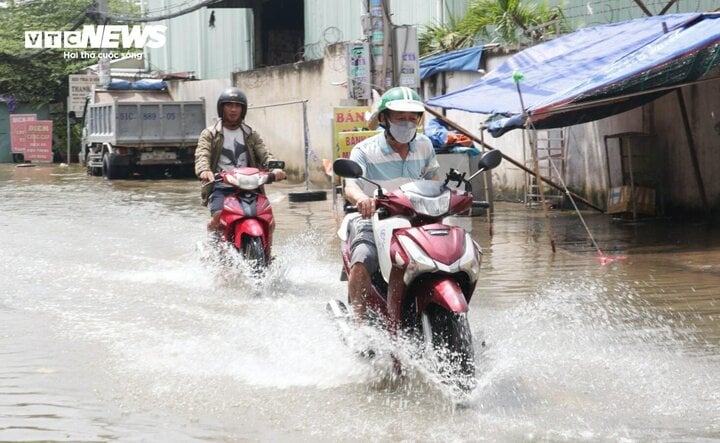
x,y
390,158
227,144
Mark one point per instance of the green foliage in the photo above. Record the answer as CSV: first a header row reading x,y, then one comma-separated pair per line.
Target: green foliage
x,y
40,75
513,21
442,38
507,22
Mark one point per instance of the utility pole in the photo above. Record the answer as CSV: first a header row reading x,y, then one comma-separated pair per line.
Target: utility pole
x,y
380,43
103,56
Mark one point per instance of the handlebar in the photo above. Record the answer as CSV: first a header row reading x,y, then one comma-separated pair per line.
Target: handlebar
x,y
349,209
455,176
271,175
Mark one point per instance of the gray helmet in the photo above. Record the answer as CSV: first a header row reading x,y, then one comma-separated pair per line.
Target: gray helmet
x,y
232,95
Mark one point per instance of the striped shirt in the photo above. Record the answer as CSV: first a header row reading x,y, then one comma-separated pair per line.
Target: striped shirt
x,y
384,166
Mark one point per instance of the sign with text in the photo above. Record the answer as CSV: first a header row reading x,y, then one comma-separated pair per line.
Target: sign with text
x,y
358,69
407,56
348,139
18,141
79,87
38,140
350,118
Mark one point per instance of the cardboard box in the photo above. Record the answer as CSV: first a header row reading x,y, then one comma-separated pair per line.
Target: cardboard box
x,y
621,201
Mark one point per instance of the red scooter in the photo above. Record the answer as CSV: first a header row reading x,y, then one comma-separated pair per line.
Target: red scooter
x,y
246,220
428,270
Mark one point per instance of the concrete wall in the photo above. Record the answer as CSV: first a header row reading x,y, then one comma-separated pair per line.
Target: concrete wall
x,y
679,185
207,90
275,96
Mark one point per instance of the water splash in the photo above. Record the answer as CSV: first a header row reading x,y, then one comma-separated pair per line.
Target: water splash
x,y
600,353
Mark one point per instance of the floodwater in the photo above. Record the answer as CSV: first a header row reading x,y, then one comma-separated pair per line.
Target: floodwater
x,y
114,327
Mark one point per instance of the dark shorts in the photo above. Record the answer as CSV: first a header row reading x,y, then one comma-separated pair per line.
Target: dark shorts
x,y
217,198
362,244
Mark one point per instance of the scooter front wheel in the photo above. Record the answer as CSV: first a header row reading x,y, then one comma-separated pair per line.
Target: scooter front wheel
x,y
253,252
448,341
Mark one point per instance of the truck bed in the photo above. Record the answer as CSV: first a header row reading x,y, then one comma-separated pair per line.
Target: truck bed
x,y
146,123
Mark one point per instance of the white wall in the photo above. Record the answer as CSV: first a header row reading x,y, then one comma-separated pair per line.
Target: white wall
x,y
207,90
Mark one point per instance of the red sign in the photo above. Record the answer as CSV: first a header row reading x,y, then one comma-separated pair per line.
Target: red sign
x,y
38,140
18,142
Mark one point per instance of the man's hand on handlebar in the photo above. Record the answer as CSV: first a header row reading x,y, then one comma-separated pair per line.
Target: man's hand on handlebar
x,y
279,174
366,207
207,176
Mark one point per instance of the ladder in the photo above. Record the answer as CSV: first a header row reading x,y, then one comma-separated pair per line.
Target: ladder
x,y
550,147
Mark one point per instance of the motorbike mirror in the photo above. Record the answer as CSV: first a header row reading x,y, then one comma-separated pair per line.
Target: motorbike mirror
x,y
490,160
347,168
276,164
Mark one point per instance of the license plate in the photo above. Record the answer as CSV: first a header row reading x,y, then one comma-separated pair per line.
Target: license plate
x,y
161,155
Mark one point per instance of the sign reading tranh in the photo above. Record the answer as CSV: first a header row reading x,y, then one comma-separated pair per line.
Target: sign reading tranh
x,y
79,87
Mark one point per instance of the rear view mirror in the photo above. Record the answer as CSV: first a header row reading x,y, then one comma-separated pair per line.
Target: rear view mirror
x,y
276,164
490,160
347,168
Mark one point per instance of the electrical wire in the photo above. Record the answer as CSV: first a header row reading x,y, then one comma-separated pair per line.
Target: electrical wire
x,y
124,19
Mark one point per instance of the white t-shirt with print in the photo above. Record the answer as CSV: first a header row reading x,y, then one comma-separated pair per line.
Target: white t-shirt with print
x,y
234,151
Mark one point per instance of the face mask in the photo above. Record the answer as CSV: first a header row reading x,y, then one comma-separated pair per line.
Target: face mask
x,y
403,132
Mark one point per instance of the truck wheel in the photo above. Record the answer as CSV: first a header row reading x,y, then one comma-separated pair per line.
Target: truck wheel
x,y
110,170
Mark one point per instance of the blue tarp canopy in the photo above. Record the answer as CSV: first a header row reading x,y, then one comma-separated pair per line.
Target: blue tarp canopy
x,y
595,72
467,59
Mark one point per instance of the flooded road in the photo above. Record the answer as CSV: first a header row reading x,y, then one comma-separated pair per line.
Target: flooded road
x,y
113,327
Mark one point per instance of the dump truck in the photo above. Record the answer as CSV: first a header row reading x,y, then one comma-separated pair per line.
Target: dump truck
x,y
128,132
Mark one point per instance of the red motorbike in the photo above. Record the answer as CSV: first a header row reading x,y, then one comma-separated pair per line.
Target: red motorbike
x,y
246,220
428,269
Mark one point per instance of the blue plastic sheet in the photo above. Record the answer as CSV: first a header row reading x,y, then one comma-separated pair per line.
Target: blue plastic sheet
x,y
600,62
144,84
467,59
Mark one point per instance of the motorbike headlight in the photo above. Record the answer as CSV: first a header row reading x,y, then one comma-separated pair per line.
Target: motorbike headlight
x,y
245,182
418,260
470,260
432,206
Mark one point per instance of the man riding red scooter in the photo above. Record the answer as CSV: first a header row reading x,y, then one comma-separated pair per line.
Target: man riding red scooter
x,y
232,162
407,271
